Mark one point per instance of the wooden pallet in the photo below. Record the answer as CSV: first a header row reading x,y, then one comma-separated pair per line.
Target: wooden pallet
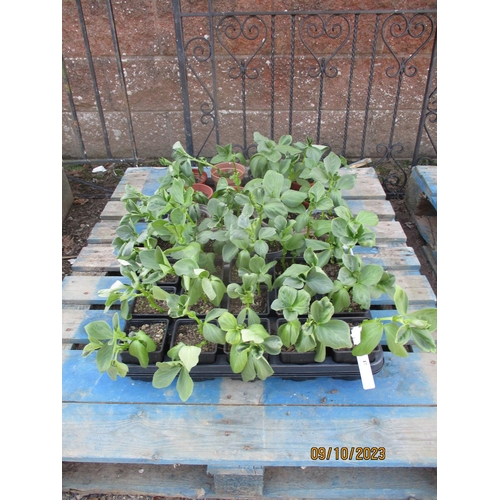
x,y
235,439
421,200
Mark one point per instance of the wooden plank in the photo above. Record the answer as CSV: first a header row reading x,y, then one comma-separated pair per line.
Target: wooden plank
x,y
248,436
100,258
409,381
369,189
74,321
84,289
427,176
145,179
427,227
193,481
431,257
115,210
388,232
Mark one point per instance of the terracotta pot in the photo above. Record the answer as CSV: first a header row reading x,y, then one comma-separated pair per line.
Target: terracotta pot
x,y
229,168
296,187
199,179
203,188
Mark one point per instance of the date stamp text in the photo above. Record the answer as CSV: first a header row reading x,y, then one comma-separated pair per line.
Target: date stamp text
x,y
345,453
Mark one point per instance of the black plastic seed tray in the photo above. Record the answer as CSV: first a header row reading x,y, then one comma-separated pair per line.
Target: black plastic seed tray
x,y
221,368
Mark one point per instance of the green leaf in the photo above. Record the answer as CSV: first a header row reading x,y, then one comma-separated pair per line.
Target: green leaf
x,y
262,368
138,350
367,218
289,332
228,322
335,333
146,340
160,293
229,251
248,373
371,333
401,300
273,182
233,337
125,232
361,295
99,330
293,198
189,355
423,340
253,317
321,310
213,333
275,208
266,233
166,373
403,334
426,314
344,213
185,267
347,181
272,344
208,288
320,353
214,314
371,274
261,247
317,245
121,369
104,357
391,330
90,348
305,343
254,333
238,358
318,281
324,204
341,300
177,191
185,385
332,163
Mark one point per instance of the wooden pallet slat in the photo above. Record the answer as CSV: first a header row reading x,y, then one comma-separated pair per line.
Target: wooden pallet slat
x,y
388,232
115,210
260,439
100,258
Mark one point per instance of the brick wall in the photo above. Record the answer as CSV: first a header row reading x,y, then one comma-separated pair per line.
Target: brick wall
x,y
146,36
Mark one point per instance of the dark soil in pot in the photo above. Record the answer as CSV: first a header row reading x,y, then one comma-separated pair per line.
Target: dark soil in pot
x,y
186,331
345,355
156,330
169,279
142,307
260,305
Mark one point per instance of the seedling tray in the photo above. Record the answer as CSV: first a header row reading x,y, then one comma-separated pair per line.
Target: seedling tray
x,y
222,369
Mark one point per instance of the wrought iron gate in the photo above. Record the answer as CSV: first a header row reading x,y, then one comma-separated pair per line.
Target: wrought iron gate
x,y
362,82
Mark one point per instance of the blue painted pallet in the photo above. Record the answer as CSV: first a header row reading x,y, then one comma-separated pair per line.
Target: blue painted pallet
x,y
426,179
250,423
233,430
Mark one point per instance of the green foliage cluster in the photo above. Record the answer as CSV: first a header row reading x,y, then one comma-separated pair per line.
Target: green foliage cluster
x,y
293,200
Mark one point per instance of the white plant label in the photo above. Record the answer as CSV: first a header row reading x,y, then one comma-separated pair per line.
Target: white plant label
x,y
365,368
